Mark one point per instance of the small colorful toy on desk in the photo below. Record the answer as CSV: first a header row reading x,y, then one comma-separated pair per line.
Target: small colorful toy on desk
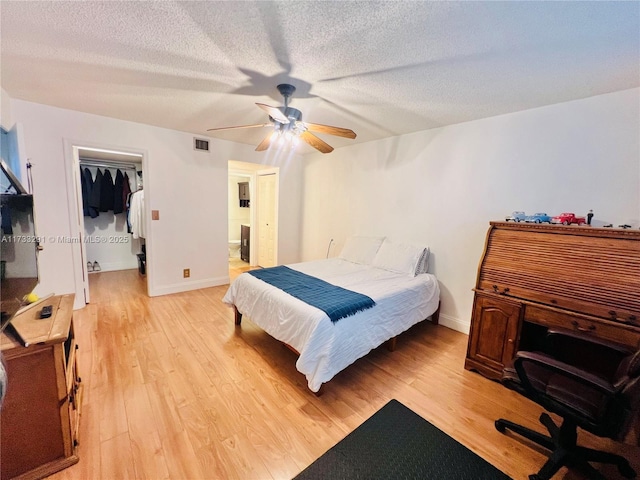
x,y
609,225
538,218
568,218
516,216
624,226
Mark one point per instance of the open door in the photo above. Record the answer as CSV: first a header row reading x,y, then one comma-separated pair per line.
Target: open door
x,y
267,220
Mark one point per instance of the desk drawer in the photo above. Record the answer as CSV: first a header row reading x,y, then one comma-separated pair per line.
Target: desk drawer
x,y
624,334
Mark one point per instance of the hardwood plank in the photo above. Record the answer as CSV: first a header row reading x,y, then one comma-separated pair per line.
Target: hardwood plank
x,y
174,390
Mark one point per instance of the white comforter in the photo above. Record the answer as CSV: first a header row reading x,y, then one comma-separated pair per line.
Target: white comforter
x,y
325,347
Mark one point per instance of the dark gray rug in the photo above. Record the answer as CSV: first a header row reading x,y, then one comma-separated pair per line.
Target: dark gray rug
x,y
397,443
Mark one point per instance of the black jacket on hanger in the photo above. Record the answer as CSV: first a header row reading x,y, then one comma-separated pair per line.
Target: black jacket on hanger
x,y
95,195
106,192
126,190
87,188
118,203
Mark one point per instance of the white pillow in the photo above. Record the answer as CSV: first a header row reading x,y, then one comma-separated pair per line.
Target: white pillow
x,y
401,258
361,249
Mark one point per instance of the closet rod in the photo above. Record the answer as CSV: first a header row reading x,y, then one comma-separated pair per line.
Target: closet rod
x,y
93,163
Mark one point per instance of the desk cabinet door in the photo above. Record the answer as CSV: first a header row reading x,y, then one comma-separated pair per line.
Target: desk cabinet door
x,y
494,332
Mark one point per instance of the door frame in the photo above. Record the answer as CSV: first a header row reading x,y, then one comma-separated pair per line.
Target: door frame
x,y
74,203
253,170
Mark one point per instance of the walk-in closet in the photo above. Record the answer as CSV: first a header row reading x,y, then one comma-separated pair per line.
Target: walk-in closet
x,y
113,211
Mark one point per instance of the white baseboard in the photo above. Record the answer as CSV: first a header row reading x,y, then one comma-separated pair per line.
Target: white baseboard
x,y
187,286
454,323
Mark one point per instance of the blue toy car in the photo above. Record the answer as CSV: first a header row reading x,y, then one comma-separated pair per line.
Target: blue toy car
x,y
516,217
538,218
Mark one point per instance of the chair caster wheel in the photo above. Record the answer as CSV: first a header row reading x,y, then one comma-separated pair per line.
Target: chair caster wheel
x,y
500,426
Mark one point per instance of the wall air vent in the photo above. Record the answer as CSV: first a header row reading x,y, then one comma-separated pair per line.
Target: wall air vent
x,y
200,144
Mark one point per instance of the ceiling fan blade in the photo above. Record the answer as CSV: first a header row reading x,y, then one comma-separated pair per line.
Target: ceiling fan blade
x,y
340,132
274,112
316,143
265,143
240,126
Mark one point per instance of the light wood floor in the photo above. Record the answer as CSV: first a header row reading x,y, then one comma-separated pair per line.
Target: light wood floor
x,y
172,389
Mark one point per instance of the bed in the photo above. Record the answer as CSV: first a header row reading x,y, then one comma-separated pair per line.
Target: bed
x,y
392,275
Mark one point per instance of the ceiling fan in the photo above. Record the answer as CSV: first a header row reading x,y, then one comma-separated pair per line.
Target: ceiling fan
x,y
288,125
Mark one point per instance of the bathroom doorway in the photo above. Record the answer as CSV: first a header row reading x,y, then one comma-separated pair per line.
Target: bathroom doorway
x,y
239,219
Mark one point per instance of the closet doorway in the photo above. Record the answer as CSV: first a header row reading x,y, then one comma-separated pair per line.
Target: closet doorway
x,y
111,217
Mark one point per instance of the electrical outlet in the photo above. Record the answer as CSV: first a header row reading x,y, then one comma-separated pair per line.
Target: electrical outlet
x,y
186,273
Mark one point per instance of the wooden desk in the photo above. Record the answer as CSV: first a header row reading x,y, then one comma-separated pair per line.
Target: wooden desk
x,y
41,411
536,277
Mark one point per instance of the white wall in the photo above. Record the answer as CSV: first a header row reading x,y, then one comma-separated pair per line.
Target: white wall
x,y
5,110
189,189
443,186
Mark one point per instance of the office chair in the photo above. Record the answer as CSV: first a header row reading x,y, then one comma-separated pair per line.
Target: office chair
x,y
592,384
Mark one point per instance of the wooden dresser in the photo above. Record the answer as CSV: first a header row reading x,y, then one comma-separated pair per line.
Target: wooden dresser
x,y
41,411
535,277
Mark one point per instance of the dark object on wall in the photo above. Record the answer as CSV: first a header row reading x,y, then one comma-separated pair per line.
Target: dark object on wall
x,y
244,194
601,402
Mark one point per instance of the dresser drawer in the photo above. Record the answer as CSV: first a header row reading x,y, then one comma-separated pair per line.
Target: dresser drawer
x,y
547,317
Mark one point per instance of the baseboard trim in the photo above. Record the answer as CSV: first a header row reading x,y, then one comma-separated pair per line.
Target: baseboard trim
x,y
188,286
454,324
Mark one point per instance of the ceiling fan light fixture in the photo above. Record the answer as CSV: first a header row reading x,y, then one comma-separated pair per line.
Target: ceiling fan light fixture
x,y
288,126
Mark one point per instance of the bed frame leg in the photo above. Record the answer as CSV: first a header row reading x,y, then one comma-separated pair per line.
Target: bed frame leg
x,y
435,318
391,344
238,315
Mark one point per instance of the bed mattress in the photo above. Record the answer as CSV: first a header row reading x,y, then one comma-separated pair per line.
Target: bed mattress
x,y
325,347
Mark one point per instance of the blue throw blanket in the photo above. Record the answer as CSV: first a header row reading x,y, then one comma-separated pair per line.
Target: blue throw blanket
x,y
336,302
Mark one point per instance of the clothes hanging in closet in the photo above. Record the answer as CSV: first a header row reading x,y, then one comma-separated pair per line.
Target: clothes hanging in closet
x,y
126,191
106,192
118,204
136,214
94,197
87,188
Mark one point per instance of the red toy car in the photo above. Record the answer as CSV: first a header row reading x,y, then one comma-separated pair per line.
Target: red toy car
x,y
568,218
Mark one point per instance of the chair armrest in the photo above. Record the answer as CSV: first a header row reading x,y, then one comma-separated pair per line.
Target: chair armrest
x,y
561,368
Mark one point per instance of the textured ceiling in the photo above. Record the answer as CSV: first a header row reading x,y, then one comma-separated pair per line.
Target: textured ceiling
x,y
379,68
